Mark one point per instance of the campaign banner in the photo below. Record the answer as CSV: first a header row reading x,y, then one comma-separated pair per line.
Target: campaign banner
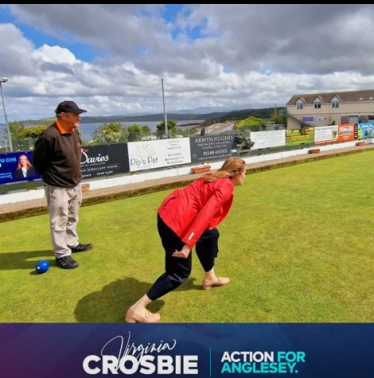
x,y
187,350
104,160
17,166
96,161
210,147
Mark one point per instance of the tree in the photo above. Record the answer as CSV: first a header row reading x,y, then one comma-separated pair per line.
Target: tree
x,y
32,131
251,123
146,130
279,117
172,127
14,129
135,132
110,133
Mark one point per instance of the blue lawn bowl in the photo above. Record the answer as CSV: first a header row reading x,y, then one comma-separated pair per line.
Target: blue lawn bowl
x,y
42,266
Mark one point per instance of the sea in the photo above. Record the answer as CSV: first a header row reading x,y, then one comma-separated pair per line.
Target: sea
x,y
87,129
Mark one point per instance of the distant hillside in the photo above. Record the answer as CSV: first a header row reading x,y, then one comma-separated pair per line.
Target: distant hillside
x,y
265,113
148,118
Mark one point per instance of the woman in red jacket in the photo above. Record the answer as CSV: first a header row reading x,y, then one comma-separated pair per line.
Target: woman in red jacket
x,y
188,218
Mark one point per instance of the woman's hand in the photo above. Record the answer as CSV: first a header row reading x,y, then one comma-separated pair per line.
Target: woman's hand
x,y
183,253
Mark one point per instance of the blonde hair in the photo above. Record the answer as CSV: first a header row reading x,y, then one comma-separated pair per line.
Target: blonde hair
x,y
28,164
233,166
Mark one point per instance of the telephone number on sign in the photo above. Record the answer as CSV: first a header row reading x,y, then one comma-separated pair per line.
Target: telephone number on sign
x,y
216,152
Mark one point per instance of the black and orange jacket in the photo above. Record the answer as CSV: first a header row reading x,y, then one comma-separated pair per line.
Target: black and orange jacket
x,y
57,156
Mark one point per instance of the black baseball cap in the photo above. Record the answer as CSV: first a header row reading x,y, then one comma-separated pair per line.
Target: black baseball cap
x,y
69,107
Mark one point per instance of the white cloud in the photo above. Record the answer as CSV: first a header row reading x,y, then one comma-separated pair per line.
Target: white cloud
x,y
110,58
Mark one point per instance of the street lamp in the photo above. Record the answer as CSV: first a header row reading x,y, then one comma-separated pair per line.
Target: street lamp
x,y
163,100
4,80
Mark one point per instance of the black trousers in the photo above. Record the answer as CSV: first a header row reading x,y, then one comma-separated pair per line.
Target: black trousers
x,y
177,270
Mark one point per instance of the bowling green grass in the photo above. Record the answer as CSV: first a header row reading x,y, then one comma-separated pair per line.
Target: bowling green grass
x,y
298,246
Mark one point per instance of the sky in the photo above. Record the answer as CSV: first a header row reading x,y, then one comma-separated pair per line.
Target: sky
x,y
132,59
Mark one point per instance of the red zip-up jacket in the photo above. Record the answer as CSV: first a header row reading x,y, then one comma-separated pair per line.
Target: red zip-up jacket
x,y
191,210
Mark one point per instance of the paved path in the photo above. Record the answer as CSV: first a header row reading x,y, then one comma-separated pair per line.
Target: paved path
x,y
35,207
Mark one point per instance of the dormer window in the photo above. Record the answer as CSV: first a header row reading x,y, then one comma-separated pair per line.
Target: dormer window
x,y
317,103
335,101
300,104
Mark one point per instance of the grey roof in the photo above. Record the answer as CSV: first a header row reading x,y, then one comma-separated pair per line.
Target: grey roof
x,y
351,96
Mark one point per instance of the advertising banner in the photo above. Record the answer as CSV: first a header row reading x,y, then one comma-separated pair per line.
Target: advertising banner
x,y
105,160
159,153
187,350
314,119
17,166
300,136
326,134
268,139
365,130
210,147
335,133
346,132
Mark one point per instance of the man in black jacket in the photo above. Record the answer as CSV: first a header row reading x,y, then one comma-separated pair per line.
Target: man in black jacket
x,y
57,158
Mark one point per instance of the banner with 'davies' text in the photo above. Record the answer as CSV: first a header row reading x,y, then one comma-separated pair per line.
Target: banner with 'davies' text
x,y
104,160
